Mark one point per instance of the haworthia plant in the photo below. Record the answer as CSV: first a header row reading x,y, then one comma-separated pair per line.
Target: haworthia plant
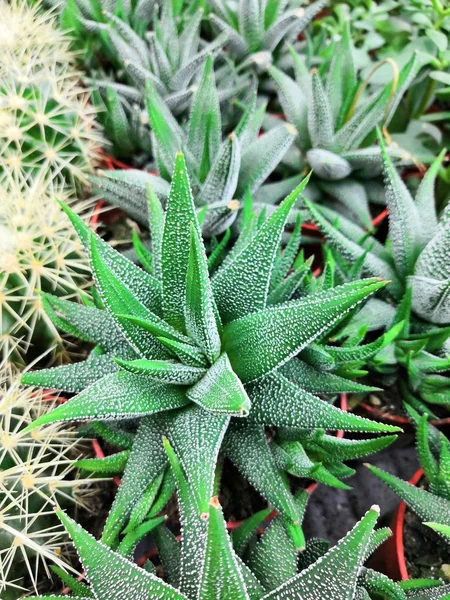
x,y
256,29
170,55
221,170
205,565
415,259
433,448
209,362
335,119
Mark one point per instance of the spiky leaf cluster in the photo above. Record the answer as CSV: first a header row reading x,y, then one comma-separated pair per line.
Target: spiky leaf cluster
x,y
208,362
431,505
39,252
336,117
36,474
170,56
415,259
47,125
221,171
256,29
205,564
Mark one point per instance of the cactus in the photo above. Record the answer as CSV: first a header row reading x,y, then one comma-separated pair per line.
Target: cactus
x,y
36,474
38,252
46,121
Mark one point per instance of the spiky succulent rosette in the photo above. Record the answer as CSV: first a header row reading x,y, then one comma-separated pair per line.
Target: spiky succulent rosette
x,y
415,259
207,362
222,169
207,563
39,252
335,117
36,474
257,29
171,56
431,501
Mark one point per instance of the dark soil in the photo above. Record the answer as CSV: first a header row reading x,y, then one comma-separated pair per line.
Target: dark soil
x,y
427,555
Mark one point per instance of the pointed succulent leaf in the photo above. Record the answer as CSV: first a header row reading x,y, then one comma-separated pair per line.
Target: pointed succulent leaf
x,y
164,371
196,437
242,284
404,222
114,464
277,401
156,225
200,309
222,178
280,332
180,214
145,287
221,575
205,122
72,378
145,464
246,446
263,156
336,573
425,200
320,115
426,505
220,390
119,395
112,576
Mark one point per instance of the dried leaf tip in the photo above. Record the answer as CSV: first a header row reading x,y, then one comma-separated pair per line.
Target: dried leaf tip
x,y
299,12
291,129
234,205
375,508
214,502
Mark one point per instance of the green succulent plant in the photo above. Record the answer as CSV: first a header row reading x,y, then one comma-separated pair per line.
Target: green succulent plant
x,y
205,565
221,171
336,119
171,56
415,260
36,473
207,362
257,29
431,505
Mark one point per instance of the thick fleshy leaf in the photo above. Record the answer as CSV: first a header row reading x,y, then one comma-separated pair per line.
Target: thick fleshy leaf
x,y
334,575
75,377
427,506
145,287
259,343
221,576
404,222
241,286
180,214
111,576
274,558
205,122
200,309
196,436
277,401
119,298
119,395
246,446
164,371
145,463
220,390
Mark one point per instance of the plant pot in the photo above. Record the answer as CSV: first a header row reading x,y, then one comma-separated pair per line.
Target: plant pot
x,y
393,551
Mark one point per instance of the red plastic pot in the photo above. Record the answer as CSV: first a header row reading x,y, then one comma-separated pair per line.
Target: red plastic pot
x,y
394,549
